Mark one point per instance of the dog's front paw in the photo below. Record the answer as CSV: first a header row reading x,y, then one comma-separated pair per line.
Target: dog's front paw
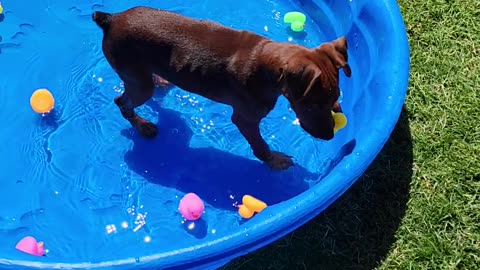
x,y
279,161
146,129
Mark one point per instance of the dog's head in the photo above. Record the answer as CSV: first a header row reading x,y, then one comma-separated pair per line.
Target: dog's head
x,y
309,81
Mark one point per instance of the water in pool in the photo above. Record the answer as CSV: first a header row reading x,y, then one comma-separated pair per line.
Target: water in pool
x,y
84,182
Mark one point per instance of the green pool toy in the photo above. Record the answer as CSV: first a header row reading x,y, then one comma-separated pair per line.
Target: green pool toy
x,y
294,16
340,121
296,20
297,26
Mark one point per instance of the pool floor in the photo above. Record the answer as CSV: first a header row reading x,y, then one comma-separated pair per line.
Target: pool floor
x,y
84,182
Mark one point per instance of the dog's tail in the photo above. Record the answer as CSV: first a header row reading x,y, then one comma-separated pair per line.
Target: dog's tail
x,y
102,19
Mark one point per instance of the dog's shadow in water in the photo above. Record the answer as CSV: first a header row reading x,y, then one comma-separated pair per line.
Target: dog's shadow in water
x,y
212,174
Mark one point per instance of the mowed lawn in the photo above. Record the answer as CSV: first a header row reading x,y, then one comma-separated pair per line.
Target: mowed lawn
x,y
418,205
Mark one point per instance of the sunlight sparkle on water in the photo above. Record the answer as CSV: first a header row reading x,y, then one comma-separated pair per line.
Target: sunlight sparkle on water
x,y
147,239
140,221
124,224
111,228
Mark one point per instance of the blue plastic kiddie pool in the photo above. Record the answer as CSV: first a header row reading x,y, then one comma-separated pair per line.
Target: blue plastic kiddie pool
x,y
98,195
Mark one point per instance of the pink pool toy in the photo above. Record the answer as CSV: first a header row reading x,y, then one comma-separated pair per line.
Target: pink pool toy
x,y
30,246
191,206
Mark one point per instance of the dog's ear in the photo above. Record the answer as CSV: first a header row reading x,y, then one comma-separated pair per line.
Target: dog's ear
x,y
300,81
314,75
337,52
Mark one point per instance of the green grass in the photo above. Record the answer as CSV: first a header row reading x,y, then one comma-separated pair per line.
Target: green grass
x,y
418,205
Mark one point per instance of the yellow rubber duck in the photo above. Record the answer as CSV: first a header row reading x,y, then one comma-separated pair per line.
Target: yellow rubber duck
x,y
42,101
340,121
250,206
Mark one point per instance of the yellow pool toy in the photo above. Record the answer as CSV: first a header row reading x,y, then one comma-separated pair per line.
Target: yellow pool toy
x,y
340,121
250,206
1,9
253,204
244,212
42,101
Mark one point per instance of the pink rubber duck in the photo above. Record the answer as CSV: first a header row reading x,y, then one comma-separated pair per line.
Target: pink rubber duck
x,y
191,206
30,246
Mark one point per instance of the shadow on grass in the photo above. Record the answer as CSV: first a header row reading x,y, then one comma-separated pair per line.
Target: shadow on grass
x,y
358,230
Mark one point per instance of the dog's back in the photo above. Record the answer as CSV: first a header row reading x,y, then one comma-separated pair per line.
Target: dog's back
x,y
195,55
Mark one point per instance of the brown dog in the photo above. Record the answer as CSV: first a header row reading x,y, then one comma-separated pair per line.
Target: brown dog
x,y
238,68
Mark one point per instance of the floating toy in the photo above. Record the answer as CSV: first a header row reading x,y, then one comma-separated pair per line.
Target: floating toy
x,y
249,206
253,204
340,121
191,206
296,20
42,101
244,212
1,8
30,246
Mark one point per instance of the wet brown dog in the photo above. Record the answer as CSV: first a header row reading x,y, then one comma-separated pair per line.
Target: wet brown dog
x,y
238,68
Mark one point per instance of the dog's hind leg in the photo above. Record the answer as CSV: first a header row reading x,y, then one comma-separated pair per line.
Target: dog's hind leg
x,y
138,89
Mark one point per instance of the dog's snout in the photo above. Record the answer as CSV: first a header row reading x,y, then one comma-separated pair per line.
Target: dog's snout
x,y
336,107
321,134
324,136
